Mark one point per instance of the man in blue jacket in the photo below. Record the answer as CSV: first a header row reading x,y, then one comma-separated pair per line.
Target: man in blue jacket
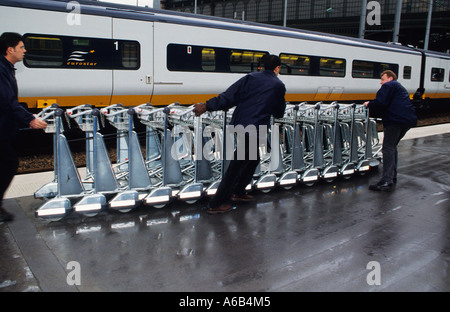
x,y
12,114
257,96
398,114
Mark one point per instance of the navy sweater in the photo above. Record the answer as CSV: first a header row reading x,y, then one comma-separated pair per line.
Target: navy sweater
x,y
256,96
12,114
393,102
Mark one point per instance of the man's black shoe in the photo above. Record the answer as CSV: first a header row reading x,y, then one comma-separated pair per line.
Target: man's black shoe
x,y
380,186
221,209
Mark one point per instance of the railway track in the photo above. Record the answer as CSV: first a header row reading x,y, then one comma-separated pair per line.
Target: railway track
x,y
35,148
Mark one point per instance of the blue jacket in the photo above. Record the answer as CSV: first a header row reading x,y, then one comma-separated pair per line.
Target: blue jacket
x,y
257,96
12,114
393,102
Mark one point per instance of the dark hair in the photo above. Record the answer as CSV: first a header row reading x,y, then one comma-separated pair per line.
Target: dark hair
x,y
9,39
389,73
271,62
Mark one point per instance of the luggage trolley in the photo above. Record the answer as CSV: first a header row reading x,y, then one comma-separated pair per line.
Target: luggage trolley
x,y
346,119
50,190
308,116
197,169
372,147
359,140
82,115
271,164
214,148
68,182
357,132
292,147
167,171
100,180
137,178
332,143
104,182
118,117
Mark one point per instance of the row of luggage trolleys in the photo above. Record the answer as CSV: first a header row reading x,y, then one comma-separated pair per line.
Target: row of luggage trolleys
x,y
184,156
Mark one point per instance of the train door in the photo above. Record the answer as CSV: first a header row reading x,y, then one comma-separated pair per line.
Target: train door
x,y
133,45
434,77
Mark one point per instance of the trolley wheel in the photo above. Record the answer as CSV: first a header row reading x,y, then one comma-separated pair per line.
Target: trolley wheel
x,y
159,206
309,184
265,191
90,214
329,180
288,187
192,201
125,210
53,219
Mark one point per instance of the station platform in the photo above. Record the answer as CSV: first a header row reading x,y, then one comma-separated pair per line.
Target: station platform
x,y
329,237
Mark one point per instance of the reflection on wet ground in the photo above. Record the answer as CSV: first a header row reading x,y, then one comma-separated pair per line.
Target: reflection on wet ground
x,y
318,238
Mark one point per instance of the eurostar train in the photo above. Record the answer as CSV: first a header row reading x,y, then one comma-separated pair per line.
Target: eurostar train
x,y
98,53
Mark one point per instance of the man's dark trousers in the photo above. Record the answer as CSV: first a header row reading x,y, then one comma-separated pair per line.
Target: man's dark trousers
x,y
392,136
237,176
8,166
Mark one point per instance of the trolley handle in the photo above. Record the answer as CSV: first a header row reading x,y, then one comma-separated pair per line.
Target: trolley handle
x,y
144,111
48,112
83,110
115,113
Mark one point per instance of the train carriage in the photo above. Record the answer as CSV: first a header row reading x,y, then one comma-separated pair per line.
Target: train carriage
x,y
102,54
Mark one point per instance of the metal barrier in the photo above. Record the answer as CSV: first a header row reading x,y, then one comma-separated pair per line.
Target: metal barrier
x,y
185,156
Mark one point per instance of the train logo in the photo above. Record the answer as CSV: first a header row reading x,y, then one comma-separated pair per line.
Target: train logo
x,y
81,59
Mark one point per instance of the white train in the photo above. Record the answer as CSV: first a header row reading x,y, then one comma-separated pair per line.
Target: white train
x,y
98,53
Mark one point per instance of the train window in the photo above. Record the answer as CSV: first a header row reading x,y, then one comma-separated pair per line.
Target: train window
x,y
46,51
407,72
292,64
89,53
243,61
43,51
372,70
182,57
208,59
362,69
332,67
388,66
437,74
295,64
130,55
82,42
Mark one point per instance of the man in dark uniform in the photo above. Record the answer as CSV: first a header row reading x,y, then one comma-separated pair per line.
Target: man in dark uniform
x,y
257,96
398,114
12,114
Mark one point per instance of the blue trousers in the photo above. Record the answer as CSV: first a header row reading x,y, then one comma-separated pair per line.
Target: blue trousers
x,y
392,136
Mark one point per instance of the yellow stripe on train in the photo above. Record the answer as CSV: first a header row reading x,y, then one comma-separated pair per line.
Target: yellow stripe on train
x,y
134,100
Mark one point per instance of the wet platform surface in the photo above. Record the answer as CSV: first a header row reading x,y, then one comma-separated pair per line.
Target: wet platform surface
x,y
318,238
